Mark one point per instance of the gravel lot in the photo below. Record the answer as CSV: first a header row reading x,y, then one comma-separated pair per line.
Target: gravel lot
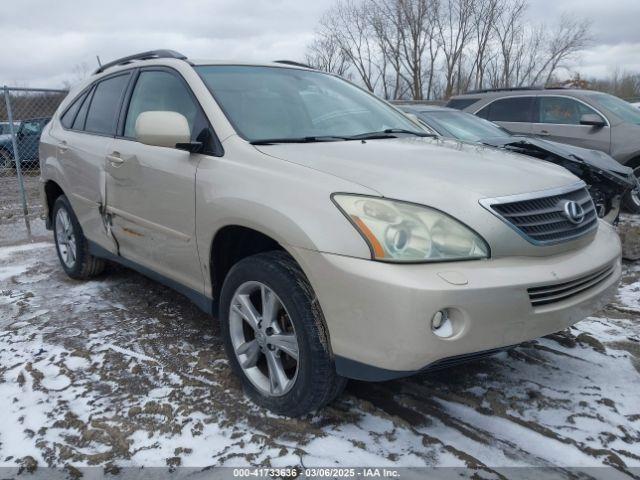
x,y
121,371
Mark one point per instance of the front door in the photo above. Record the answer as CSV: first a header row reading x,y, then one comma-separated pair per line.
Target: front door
x,y
559,120
151,190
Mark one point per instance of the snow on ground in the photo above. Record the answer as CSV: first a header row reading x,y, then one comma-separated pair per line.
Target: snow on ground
x,y
122,371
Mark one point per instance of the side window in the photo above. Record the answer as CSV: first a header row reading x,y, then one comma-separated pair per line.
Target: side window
x,y
70,115
562,110
105,105
78,123
161,91
513,109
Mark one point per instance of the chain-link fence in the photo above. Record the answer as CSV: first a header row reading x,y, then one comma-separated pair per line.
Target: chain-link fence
x,y
23,114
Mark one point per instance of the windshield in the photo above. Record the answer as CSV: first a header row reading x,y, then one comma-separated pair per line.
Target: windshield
x,y
285,103
463,126
618,107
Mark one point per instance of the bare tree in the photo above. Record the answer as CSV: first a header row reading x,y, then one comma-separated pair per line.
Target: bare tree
x,y
454,30
348,24
406,29
569,37
325,54
429,48
484,16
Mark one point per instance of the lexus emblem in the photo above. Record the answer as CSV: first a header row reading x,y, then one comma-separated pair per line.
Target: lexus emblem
x,y
573,212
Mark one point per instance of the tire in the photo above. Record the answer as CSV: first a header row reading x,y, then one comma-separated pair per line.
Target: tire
x,y
631,200
74,255
7,166
310,382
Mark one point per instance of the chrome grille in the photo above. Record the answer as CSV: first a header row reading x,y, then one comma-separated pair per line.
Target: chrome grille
x,y
558,292
541,219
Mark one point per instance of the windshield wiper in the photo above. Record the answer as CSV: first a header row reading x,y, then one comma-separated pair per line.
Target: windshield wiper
x,y
323,138
388,133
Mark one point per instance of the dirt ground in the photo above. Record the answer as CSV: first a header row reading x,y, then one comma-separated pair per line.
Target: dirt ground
x,y
121,371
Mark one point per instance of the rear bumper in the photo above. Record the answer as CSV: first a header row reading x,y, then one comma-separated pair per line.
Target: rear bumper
x,y
379,314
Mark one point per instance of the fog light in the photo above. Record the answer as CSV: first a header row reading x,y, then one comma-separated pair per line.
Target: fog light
x,y
437,320
441,324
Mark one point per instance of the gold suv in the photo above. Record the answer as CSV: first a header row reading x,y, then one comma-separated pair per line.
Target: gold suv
x,y
331,236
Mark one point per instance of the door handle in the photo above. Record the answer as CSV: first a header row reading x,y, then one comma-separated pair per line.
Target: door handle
x,y
62,146
115,159
544,133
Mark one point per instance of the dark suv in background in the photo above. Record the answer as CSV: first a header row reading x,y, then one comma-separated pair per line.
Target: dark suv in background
x,y
27,141
583,118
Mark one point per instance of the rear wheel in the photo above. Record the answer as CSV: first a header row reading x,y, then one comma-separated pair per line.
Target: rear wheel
x,y
6,163
71,244
632,197
275,336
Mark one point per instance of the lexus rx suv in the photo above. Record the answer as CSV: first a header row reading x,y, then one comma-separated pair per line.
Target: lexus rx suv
x,y
583,118
329,234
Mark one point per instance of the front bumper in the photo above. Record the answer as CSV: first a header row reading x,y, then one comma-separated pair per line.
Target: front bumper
x,y
379,314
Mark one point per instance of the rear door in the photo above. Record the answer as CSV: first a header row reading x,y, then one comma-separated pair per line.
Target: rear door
x,y
513,113
150,189
558,119
88,129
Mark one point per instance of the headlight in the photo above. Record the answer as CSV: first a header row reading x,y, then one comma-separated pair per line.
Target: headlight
x,y
403,232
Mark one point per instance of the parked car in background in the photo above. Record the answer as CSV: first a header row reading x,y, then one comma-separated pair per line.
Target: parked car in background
x,y
331,235
5,127
27,139
608,181
583,118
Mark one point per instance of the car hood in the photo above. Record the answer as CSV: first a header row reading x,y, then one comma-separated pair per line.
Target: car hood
x,y
595,159
425,170
448,175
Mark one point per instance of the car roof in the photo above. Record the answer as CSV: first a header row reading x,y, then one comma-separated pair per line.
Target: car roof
x,y
513,92
248,63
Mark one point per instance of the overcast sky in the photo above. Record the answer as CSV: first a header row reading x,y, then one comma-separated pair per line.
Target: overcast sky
x,y
43,40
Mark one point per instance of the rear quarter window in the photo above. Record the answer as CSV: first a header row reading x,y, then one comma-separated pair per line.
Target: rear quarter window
x,y
70,115
461,103
105,105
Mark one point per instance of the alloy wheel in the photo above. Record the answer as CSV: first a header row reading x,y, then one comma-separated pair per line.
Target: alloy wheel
x,y
65,238
264,339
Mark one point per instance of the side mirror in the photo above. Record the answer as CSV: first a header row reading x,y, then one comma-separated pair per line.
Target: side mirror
x,y
162,129
592,119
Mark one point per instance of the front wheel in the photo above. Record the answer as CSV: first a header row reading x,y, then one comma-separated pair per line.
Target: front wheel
x,y
632,198
71,244
275,335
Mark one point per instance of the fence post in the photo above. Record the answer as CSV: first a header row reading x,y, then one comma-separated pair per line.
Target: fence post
x,y
16,157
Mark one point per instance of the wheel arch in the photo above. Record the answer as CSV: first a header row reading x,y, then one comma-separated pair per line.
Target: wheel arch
x,y
52,191
230,244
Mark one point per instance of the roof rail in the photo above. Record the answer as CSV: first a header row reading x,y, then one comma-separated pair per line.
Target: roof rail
x,y
506,89
293,64
141,56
